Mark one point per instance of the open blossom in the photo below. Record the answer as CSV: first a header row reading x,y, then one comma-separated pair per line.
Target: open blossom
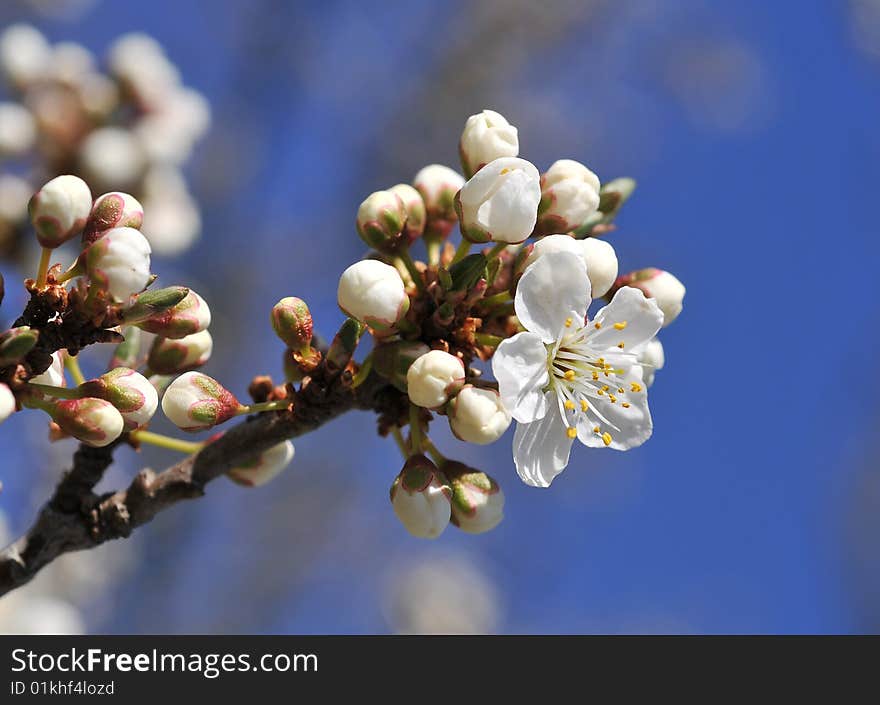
x,y
478,415
486,136
119,263
420,498
266,467
500,202
657,284
60,209
598,256
432,377
566,377
477,500
194,402
188,317
373,293
7,403
168,356
569,195
95,422
130,392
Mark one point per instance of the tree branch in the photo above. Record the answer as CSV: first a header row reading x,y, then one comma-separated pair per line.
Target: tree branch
x,y
75,518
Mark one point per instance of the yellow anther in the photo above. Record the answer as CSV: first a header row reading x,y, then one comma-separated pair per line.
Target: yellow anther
x,y
568,322
620,390
597,325
569,375
572,432
625,405
595,376
601,392
621,345
584,405
569,404
635,386
595,429
612,398
620,326
601,361
606,438
505,170
605,387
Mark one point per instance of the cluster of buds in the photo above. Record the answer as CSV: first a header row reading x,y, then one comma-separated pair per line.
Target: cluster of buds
x,y
130,126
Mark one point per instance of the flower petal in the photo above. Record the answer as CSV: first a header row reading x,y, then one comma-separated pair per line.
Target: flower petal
x,y
551,290
628,426
520,366
541,448
630,319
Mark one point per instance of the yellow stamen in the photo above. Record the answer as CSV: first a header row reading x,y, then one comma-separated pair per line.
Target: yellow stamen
x,y
635,386
612,398
569,404
621,344
595,376
625,405
597,325
568,322
571,432
505,170
606,438
620,390
584,405
601,392
569,375
595,429
605,388
620,326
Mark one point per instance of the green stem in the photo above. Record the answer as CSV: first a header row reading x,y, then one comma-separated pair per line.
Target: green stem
x,y
461,251
435,454
487,339
157,439
43,269
500,298
279,405
55,392
410,265
72,365
363,372
415,430
398,439
433,247
496,250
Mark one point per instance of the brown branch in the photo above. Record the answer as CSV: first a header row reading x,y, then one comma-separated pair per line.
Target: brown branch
x,y
75,518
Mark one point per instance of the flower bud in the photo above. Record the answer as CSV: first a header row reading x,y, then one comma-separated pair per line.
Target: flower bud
x,y
420,498
569,195
477,415
292,322
487,136
438,185
131,393
393,360
189,316
168,356
373,293
477,500
18,131
597,255
54,376
25,54
7,403
112,156
342,347
194,402
128,352
60,209
651,358
267,466
16,343
119,263
416,214
154,303
500,202
433,378
112,210
380,220
95,422
655,284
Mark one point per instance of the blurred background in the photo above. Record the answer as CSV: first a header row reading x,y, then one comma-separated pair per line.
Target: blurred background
x,y
751,128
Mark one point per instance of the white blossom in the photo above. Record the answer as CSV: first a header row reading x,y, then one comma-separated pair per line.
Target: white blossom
x,y
266,467
92,421
54,375
570,195
478,415
598,257
432,377
111,156
130,392
194,402
60,209
7,403
420,498
18,131
119,263
651,358
486,136
373,293
25,54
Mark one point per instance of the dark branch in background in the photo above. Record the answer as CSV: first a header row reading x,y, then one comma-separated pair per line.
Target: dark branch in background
x,y
75,518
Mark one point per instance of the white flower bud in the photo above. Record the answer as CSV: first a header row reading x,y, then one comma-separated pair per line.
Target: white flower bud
x,y
477,499
140,63
95,422
60,209
119,263
656,284
112,210
98,95
433,377
651,358
416,215
194,402
111,156
190,316
18,131
478,416
131,393
7,403
569,195
54,376
486,136
14,195
70,62
420,498
172,222
380,220
373,293
597,255
25,54
168,357
500,202
266,467
438,185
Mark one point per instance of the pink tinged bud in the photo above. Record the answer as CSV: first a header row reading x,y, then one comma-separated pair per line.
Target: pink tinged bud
x,y
656,284
60,209
477,500
373,292
416,215
131,393
478,416
168,357
292,322
112,210
420,498
380,220
500,202
486,136
95,422
438,185
119,263
569,196
192,315
7,403
194,402
433,378
268,466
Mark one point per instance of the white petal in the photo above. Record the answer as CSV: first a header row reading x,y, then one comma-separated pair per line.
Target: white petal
x,y
520,366
628,426
541,448
640,317
551,290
